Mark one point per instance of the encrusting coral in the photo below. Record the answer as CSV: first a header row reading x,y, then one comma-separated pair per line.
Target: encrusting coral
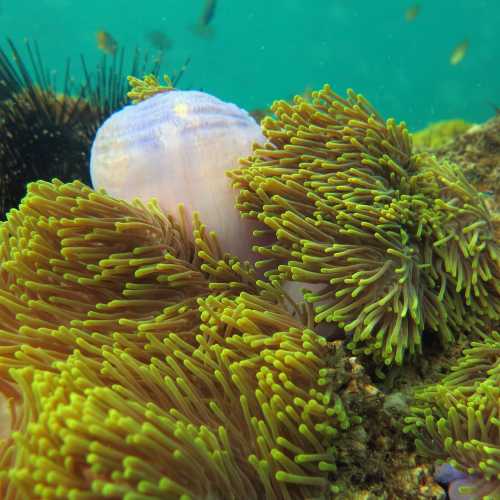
x,y
458,420
439,134
134,359
398,244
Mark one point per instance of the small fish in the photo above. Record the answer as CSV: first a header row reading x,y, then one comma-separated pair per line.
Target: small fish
x,y
412,12
159,40
459,52
203,28
106,42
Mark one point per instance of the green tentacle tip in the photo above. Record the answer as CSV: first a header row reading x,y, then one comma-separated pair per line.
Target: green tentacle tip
x,y
147,87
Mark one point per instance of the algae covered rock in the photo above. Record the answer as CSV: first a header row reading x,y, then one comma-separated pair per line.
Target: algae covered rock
x,y
439,134
477,152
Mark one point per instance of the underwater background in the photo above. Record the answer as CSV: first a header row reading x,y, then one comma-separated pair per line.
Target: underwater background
x,y
396,53
319,320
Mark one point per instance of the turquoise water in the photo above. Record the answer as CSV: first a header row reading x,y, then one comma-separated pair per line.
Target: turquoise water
x,y
263,50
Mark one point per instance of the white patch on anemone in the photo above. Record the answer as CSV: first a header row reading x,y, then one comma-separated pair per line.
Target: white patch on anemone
x,y
176,147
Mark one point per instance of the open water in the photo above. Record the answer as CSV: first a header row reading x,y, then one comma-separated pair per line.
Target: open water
x,y
268,49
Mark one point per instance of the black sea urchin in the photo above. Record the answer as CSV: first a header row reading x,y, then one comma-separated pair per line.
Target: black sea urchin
x,y
46,133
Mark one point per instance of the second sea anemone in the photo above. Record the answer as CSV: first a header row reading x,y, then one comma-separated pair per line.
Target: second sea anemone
x,y
394,246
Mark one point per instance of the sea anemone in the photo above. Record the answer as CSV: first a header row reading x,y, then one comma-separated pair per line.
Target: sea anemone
x,y
137,354
76,255
175,146
457,421
395,244
135,358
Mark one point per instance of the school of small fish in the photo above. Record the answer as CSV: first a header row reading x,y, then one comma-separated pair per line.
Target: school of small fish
x,y
160,41
158,38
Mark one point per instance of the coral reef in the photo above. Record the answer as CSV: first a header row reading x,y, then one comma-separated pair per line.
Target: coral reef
x,y
136,353
457,420
396,244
